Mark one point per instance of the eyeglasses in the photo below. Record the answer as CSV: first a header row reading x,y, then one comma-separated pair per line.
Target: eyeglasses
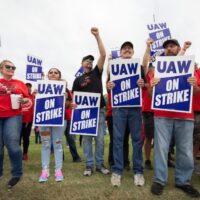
x,y
53,72
10,67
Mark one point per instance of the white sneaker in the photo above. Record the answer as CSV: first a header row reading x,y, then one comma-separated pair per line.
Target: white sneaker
x,y
116,180
139,180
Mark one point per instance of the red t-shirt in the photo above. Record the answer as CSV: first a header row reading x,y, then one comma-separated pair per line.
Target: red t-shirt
x,y
196,98
173,115
68,111
28,114
8,87
109,111
146,99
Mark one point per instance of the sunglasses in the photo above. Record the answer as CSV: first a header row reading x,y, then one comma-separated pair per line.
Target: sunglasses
x,y
53,72
10,67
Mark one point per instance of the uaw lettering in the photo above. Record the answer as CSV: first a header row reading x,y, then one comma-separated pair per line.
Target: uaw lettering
x,y
49,103
85,117
173,92
125,74
159,32
33,68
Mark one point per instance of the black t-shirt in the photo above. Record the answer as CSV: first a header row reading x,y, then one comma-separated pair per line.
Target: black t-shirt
x,y
90,82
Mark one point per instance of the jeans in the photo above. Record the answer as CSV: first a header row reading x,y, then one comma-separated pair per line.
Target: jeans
x,y
25,135
122,116
183,133
126,143
71,139
55,137
99,142
10,129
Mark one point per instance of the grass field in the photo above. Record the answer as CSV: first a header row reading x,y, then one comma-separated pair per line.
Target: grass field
x,y
76,186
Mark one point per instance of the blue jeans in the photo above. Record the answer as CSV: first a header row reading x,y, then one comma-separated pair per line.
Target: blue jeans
x,y
54,137
122,116
10,129
99,142
71,139
165,128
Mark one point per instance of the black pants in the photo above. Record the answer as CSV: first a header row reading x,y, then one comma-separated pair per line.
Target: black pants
x,y
25,134
72,142
126,143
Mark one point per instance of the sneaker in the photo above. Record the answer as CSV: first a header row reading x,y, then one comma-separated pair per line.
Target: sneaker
x,y
116,180
44,176
147,165
139,180
59,175
157,188
103,170
25,157
189,190
88,171
13,181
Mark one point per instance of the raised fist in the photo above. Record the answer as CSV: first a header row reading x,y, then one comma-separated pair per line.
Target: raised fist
x,y
95,31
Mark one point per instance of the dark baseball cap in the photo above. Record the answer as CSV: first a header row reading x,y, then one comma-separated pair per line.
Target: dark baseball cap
x,y
127,43
171,41
88,57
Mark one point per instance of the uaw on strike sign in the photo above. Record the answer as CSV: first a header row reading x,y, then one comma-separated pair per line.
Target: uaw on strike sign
x,y
86,116
50,103
125,74
173,92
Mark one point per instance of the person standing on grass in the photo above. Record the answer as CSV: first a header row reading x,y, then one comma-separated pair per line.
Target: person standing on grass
x,y
132,116
11,119
70,139
52,134
179,124
27,119
91,81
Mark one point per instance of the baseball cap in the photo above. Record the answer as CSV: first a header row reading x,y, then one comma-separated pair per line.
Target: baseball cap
x,y
88,57
127,43
173,41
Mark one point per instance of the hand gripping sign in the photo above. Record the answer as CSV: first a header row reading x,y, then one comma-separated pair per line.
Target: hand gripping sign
x,y
173,92
125,74
50,103
33,68
86,116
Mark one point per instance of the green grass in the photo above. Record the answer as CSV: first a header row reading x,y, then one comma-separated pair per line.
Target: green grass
x,y
76,186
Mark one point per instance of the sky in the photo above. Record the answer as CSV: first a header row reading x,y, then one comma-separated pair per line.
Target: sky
x,y
58,32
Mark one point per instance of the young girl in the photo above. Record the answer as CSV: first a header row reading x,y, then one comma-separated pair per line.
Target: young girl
x,y
52,135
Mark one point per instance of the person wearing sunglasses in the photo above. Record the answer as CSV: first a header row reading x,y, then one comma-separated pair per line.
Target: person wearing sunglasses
x,y
11,119
52,135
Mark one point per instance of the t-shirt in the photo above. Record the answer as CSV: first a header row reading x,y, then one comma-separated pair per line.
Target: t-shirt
x,y
68,111
8,87
27,116
109,110
146,99
90,82
196,98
